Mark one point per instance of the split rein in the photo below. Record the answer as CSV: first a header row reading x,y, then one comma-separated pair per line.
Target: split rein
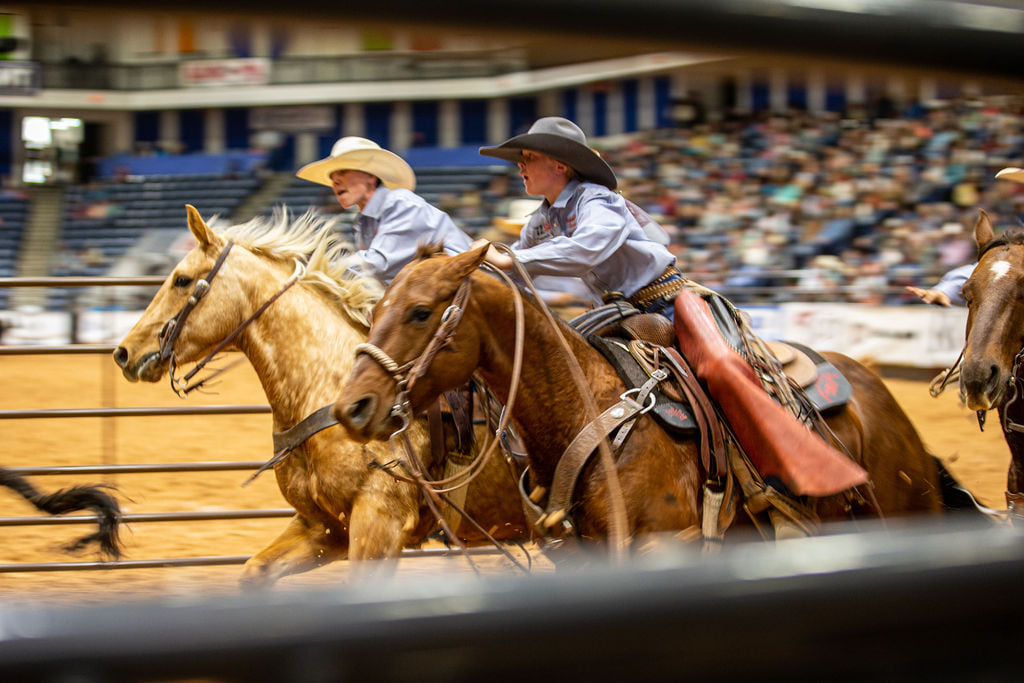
x,y
172,328
405,376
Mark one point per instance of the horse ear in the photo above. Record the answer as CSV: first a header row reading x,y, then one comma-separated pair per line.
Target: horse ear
x,y
983,233
465,263
203,234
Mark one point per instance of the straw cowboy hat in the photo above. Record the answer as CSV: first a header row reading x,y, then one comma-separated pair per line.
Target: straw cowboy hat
x,y
360,154
1012,173
519,211
562,140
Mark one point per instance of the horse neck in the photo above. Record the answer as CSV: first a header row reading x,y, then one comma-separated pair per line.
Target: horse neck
x,y
548,406
301,348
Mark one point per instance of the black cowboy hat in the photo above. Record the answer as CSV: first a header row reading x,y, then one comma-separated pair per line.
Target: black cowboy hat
x,y
562,140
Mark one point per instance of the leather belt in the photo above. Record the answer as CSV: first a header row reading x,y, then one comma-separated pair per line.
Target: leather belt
x,y
664,286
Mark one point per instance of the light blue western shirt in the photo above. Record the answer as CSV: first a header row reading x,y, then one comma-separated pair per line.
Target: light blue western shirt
x,y
953,281
590,232
394,223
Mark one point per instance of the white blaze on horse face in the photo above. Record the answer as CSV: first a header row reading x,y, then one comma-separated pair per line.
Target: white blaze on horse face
x,y
386,303
999,269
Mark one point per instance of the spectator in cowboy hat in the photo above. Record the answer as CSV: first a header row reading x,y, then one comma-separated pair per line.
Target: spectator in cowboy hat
x,y
948,289
584,228
392,221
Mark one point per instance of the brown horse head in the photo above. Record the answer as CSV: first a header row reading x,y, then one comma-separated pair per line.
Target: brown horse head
x,y
995,319
404,323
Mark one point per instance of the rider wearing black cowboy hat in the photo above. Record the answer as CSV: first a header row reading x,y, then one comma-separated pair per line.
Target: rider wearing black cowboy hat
x,y
583,228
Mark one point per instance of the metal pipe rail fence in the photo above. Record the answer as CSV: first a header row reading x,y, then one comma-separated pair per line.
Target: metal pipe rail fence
x,y
176,411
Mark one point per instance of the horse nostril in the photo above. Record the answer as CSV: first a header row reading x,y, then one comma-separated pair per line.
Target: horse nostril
x,y
358,413
121,356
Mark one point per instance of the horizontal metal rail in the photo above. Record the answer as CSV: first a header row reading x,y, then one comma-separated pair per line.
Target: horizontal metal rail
x,y
132,518
205,466
134,412
209,561
54,349
81,281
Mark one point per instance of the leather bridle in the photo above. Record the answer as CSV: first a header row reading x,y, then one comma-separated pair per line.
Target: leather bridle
x,y
171,329
405,375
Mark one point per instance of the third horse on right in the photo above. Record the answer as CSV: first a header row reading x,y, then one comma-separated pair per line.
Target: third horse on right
x,y
991,367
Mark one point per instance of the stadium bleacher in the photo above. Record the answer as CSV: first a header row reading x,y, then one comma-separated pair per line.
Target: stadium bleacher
x,y
13,210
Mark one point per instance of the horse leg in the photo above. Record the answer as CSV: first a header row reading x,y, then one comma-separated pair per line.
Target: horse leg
x,y
380,527
302,546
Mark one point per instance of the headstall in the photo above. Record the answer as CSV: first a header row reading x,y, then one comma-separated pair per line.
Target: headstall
x,y
172,328
405,375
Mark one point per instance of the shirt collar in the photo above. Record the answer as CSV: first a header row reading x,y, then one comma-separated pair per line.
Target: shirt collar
x,y
376,202
566,193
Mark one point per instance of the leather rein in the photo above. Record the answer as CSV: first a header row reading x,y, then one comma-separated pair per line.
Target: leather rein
x,y
406,374
171,329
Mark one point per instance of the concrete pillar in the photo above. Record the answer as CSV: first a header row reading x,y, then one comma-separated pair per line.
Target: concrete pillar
x,y
744,91
214,142
549,103
616,110
354,123
497,120
401,126
856,90
449,127
305,148
817,91
585,111
778,95
646,114
170,126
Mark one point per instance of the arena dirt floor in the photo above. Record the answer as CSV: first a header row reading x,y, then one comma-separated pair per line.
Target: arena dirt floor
x,y
978,460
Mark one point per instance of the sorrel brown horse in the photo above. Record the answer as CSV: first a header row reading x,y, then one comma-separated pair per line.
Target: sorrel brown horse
x,y
661,479
301,347
991,372
73,499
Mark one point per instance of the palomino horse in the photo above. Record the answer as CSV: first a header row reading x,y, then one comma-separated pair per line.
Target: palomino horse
x,y
991,374
301,347
106,508
660,479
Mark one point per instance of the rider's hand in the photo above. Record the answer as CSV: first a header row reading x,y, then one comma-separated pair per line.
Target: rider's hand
x,y
494,257
930,296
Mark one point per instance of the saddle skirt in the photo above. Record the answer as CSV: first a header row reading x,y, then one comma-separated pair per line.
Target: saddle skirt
x,y
822,383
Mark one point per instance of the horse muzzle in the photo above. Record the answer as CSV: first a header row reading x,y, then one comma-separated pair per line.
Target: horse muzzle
x,y
149,368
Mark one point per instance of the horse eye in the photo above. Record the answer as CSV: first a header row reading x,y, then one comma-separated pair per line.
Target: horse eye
x,y
420,314
182,281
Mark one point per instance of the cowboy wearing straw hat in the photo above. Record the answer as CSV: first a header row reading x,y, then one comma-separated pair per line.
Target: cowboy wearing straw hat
x,y
392,221
947,290
583,228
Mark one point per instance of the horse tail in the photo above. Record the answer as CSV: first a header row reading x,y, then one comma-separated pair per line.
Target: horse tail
x,y
106,508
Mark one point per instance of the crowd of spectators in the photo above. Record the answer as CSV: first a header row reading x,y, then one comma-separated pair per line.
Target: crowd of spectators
x,y
849,207
856,204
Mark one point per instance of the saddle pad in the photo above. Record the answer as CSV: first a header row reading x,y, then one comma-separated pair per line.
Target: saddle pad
x,y
674,416
831,390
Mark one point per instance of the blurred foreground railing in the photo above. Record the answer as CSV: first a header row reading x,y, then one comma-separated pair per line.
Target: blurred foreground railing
x,y
908,603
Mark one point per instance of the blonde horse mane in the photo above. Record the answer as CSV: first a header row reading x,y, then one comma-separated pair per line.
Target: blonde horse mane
x,y
311,241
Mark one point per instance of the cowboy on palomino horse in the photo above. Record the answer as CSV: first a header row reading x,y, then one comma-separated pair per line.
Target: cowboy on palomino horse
x,y
585,229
